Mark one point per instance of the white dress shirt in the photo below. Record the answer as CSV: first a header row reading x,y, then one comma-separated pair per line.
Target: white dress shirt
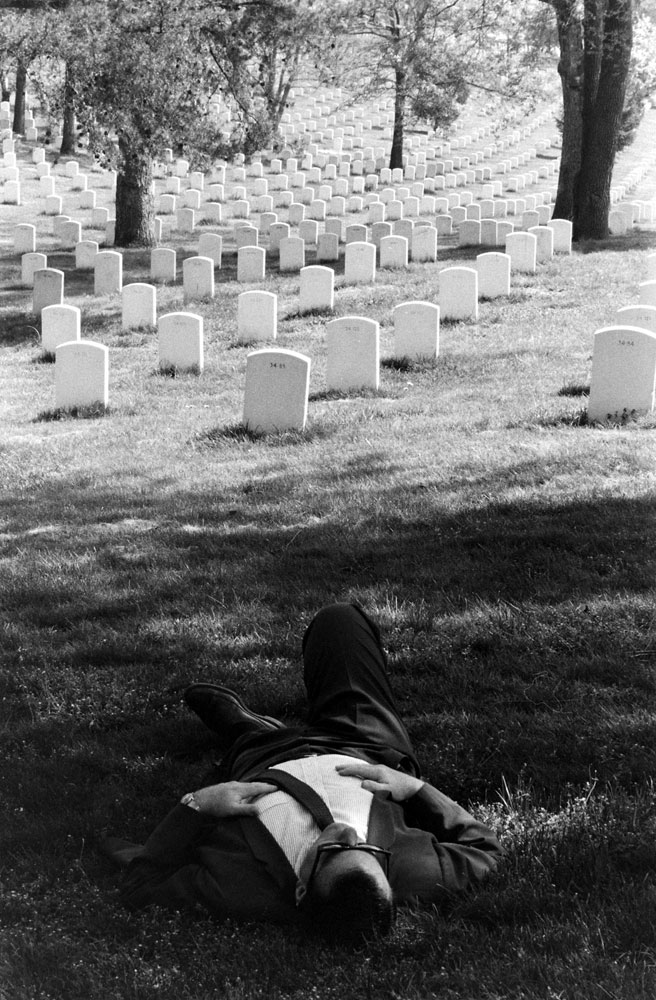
x,y
292,826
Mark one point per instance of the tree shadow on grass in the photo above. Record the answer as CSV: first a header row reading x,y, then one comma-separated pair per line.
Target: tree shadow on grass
x,y
501,551
20,327
522,647
637,239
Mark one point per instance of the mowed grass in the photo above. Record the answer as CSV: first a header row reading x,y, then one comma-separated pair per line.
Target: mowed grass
x,y
506,547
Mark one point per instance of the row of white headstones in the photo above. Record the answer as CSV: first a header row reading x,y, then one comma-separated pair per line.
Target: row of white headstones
x,y
181,333
277,381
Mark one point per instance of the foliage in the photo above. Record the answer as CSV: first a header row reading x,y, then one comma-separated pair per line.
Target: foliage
x,y
140,74
642,79
23,35
433,56
258,50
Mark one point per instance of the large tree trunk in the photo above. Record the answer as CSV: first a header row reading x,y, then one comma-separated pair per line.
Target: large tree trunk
x,y
602,117
570,68
19,99
396,153
135,203
595,54
69,136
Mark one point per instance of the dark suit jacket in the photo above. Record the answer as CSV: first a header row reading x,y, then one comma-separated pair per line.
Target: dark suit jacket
x,y
234,867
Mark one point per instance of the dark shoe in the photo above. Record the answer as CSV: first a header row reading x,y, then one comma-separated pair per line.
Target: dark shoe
x,y
224,712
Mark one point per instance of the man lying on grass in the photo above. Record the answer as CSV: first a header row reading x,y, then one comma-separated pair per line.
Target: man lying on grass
x,y
328,823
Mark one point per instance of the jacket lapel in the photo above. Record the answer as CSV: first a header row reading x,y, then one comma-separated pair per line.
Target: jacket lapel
x,y
382,829
265,848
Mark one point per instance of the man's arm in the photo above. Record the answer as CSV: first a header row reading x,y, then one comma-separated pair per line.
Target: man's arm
x,y
463,850
185,862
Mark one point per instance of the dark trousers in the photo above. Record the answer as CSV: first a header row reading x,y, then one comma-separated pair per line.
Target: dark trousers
x,y
350,703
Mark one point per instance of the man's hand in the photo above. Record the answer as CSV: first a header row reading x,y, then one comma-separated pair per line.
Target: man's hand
x,y
232,798
381,778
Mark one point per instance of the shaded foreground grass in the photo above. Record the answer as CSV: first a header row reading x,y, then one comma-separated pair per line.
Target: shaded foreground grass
x,y
507,549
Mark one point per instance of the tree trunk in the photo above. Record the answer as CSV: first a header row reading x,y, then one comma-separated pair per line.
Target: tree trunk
x,y
396,153
135,203
570,68
19,99
69,136
602,119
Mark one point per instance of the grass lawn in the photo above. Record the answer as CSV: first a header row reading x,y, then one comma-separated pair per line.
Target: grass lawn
x,y
507,548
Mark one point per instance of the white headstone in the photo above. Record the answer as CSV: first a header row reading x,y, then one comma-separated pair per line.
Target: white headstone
x,y
12,192
88,200
163,264
469,233
70,234
186,220
59,324
278,231
211,245
108,272
317,209
317,289
545,241
489,232
416,330
328,247
267,219
424,244
31,262
57,223
191,199
360,263
24,238
308,230
530,219
257,316
180,342
138,305
167,204
198,278
493,275
640,316
617,223
623,372
81,375
241,209
48,288
53,204
352,353
99,218
213,212
292,253
335,226
276,392
246,236
85,255
522,250
394,252
356,234
251,263
458,293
